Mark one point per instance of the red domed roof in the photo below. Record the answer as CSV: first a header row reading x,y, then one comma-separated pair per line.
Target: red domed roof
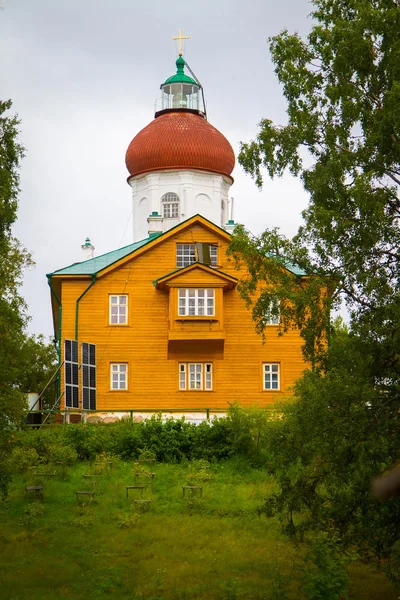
x,y
179,140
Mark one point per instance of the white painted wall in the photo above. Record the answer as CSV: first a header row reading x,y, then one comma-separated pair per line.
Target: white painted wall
x,y
199,193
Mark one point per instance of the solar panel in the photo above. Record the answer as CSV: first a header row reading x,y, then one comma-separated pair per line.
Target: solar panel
x,y
88,376
71,367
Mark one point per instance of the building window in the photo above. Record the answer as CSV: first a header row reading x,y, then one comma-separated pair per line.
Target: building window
x,y
272,316
118,310
187,254
195,376
272,320
119,376
196,302
271,376
170,206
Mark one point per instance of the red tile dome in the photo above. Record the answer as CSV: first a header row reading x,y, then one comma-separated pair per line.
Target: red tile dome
x,y
179,140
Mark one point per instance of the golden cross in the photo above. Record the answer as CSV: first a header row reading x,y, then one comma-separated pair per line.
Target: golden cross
x,y
180,37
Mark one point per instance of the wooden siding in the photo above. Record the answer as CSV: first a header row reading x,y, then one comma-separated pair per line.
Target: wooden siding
x,y
237,355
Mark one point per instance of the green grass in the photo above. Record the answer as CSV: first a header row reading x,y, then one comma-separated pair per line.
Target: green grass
x,y
214,547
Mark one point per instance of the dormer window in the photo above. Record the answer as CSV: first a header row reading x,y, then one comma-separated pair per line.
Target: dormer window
x,y
196,302
187,254
170,206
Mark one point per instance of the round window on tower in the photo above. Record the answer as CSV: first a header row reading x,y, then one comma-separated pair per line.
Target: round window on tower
x,y
170,206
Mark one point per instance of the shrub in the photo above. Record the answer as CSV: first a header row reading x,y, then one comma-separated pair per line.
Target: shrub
x,y
325,576
31,512
22,458
5,475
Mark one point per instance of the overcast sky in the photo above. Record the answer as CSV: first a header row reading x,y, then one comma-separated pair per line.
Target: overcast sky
x,y
83,76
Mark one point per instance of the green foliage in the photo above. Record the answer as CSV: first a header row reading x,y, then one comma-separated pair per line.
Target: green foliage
x,y
61,453
248,431
85,519
242,433
325,576
126,521
23,458
5,475
338,434
12,260
32,512
186,547
271,289
146,454
342,138
25,360
342,86
198,472
141,470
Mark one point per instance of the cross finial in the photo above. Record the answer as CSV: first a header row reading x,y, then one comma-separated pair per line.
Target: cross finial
x,y
180,37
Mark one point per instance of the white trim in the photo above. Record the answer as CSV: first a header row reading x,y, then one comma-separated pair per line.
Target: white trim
x,y
271,377
196,377
186,255
118,309
170,206
196,302
118,376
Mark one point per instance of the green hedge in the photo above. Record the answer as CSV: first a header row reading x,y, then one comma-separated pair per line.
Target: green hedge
x,y
170,441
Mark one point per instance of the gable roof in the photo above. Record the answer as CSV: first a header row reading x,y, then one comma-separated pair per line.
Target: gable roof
x,y
229,282
94,266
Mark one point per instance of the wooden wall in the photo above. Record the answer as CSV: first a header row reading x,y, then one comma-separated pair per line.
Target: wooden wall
x,y
237,354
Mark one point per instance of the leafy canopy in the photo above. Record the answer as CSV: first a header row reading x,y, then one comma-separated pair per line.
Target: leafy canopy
x,y
342,138
25,361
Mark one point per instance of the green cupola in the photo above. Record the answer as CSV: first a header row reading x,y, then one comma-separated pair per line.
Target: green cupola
x,y
181,92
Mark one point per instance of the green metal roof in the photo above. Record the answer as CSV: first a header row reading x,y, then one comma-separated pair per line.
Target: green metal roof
x,y
295,269
97,264
180,76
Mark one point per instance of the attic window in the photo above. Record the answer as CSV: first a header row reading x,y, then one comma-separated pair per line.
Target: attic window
x,y
187,254
170,206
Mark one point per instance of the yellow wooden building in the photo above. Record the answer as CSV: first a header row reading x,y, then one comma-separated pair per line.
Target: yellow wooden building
x,y
159,325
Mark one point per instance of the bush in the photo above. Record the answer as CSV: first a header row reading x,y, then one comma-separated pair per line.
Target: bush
x,y
5,475
22,458
325,576
242,433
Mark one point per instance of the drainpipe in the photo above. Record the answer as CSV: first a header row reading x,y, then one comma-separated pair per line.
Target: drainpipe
x,y
77,306
57,334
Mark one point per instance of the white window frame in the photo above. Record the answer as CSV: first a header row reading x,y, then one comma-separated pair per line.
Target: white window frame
x,y
115,301
271,375
170,205
118,376
186,255
196,377
273,319
196,302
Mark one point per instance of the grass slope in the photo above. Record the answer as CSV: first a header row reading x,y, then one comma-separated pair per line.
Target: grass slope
x,y
214,547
